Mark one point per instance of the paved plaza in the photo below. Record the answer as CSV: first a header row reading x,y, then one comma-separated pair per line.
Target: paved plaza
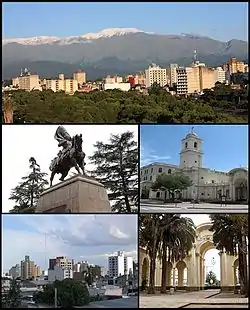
x,y
200,299
187,207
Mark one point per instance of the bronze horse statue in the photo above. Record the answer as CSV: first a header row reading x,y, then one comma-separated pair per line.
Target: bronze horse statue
x,y
72,155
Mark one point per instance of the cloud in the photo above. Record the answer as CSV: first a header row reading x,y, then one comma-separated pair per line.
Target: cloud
x,y
149,156
81,237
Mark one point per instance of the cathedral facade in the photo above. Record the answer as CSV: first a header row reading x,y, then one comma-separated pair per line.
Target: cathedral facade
x,y
208,184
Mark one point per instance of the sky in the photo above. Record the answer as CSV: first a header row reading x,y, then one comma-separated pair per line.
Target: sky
x,y
48,19
225,147
80,237
20,142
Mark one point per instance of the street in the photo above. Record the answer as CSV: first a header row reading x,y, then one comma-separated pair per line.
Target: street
x,y
148,206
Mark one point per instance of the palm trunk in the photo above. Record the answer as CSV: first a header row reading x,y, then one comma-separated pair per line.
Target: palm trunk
x,y
243,265
164,270
151,287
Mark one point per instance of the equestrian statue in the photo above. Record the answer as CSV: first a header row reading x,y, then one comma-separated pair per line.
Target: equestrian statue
x,y
71,155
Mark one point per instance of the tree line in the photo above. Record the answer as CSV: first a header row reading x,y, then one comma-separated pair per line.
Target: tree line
x,y
116,165
115,106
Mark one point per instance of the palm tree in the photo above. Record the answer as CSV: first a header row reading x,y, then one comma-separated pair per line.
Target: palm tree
x,y
231,234
177,235
149,238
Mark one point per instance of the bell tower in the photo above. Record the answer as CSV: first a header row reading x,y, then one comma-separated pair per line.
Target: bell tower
x,y
191,151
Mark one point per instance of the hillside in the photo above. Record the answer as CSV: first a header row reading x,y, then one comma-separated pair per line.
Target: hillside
x,y
113,51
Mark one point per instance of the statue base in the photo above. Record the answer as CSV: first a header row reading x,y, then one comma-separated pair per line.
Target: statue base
x,y
79,194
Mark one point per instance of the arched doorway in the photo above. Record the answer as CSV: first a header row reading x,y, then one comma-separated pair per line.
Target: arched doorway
x,y
240,188
181,275
212,269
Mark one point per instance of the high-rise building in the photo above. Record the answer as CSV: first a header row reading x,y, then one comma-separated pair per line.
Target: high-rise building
x,y
80,77
172,74
194,79
113,79
15,271
61,261
220,75
128,265
156,74
29,269
70,86
27,81
236,65
59,273
118,265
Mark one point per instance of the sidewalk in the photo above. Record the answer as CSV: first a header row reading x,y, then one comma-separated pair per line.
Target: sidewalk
x,y
184,299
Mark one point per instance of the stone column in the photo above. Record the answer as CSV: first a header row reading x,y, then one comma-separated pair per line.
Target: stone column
x,y
180,277
158,271
198,269
173,276
192,271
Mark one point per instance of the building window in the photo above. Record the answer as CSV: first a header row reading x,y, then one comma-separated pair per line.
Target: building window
x,y
150,178
158,195
186,145
169,171
212,181
160,170
202,194
202,178
152,169
195,161
195,145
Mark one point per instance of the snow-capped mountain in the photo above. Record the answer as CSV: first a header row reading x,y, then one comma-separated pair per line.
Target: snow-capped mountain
x,y
85,38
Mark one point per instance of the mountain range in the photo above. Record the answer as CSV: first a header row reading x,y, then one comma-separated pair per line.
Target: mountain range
x,y
115,50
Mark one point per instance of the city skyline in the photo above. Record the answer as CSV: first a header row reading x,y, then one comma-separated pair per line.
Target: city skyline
x,y
89,238
38,142
118,15
162,143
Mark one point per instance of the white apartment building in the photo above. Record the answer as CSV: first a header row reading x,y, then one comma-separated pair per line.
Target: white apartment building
x,y
121,86
173,74
59,273
118,265
220,75
15,271
113,79
156,74
128,265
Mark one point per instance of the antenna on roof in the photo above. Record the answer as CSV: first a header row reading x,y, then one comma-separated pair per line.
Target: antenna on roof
x,y
195,55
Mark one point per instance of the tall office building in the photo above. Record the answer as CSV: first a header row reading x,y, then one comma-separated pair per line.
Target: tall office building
x,y
29,269
80,77
27,81
15,271
172,74
118,265
128,265
61,261
195,79
156,74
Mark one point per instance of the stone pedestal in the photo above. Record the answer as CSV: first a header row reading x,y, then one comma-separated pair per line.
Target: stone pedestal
x,y
79,194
